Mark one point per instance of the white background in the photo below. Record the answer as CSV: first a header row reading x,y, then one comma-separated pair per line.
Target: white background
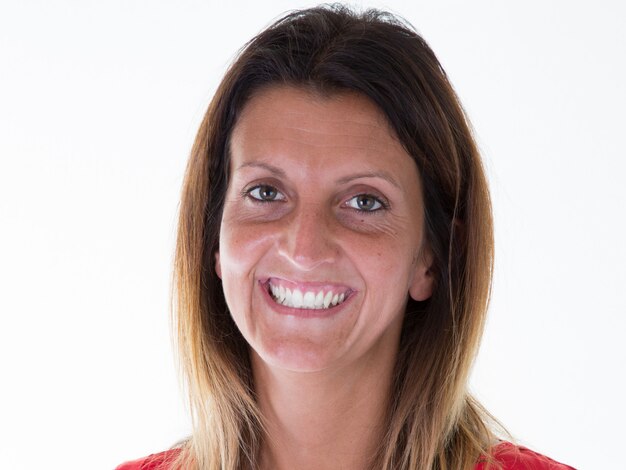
x,y
99,104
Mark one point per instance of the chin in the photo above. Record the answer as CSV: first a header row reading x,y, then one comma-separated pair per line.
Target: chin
x,y
296,356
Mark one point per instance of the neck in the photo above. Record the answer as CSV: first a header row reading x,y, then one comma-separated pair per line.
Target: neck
x,y
323,420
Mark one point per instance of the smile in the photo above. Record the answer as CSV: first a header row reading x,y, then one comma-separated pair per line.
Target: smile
x,y
306,297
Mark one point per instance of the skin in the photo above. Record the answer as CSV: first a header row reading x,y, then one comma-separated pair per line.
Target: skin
x,y
342,207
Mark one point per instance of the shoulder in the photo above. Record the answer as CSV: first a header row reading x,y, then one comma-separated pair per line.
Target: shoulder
x,y
160,461
512,457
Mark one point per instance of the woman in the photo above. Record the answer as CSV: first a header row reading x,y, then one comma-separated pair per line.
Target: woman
x,y
334,259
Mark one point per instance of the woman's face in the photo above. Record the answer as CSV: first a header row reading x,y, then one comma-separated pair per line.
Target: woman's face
x,y
321,237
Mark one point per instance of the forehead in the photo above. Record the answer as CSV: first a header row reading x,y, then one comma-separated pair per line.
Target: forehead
x,y
296,115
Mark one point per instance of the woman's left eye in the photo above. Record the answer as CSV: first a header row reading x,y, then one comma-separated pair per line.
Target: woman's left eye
x,y
366,203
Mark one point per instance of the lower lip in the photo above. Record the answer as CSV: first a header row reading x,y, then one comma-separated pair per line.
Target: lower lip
x,y
302,312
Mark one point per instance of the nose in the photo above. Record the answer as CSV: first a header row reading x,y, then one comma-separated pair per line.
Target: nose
x,y
307,240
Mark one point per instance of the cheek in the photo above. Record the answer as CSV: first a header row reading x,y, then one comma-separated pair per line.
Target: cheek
x,y
242,245
241,250
386,266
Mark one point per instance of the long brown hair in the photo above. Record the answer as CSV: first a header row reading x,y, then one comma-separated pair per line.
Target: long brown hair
x,y
433,423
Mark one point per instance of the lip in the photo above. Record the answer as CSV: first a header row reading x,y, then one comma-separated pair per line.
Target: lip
x,y
304,312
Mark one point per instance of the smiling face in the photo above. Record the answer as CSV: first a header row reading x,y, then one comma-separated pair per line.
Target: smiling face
x,y
321,236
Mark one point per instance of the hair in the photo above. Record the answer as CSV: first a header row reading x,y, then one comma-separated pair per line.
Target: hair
x,y
432,420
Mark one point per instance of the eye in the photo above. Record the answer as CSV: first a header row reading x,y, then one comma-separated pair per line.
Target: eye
x,y
265,193
366,203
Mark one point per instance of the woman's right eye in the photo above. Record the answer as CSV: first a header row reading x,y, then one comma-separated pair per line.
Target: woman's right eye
x,y
265,193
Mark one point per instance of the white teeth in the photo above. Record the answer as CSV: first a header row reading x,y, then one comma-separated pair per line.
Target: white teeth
x,y
296,298
319,299
328,298
308,300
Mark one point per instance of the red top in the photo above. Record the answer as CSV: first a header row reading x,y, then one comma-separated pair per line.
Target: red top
x,y
510,456
513,457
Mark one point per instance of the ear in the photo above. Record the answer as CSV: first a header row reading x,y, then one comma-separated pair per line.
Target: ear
x,y
218,266
421,287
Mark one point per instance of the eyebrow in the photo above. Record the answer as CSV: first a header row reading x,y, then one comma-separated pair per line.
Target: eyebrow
x,y
346,179
266,166
370,174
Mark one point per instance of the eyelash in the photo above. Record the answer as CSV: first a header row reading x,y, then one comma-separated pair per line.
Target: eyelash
x,y
384,205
